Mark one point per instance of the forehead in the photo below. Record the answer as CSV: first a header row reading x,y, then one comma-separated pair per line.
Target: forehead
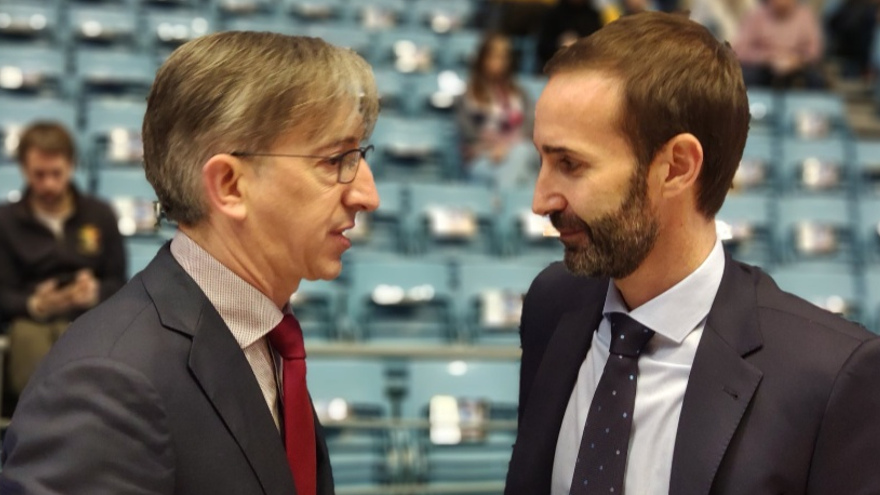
x,y
578,109
37,158
326,126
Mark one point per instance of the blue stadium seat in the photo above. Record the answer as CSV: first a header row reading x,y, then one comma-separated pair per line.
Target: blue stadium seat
x,y
866,163
815,228
114,72
533,86
759,162
243,7
113,132
448,16
407,50
140,252
813,114
263,22
817,166
11,183
489,298
401,300
764,110
450,218
20,112
316,10
826,286
33,69
394,90
749,220
461,49
30,21
167,29
317,305
436,91
379,231
869,228
104,24
410,148
379,14
124,183
349,389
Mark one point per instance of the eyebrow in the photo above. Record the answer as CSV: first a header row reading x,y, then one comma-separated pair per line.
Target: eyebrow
x,y
556,149
338,143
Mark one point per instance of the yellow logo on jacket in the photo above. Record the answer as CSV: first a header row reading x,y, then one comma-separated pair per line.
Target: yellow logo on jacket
x,y
89,240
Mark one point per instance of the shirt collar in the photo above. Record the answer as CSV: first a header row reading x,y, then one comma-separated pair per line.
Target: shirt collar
x,y
248,313
676,313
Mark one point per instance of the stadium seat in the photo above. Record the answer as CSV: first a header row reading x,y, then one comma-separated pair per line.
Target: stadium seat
x,y
113,132
869,228
317,305
399,301
168,29
243,7
448,16
316,10
263,22
436,92
33,69
521,232
379,231
813,115
344,390
759,163
113,72
871,300
410,148
140,252
394,90
345,36
11,183
746,227
450,218
460,49
533,86
816,166
489,298
826,286
29,21
764,111
866,162
815,228
104,24
407,50
379,14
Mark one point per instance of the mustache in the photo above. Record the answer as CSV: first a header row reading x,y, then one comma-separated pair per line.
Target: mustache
x,y
568,221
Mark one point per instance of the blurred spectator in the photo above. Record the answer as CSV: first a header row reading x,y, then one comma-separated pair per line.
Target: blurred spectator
x,y
60,251
722,17
851,28
495,120
780,45
568,21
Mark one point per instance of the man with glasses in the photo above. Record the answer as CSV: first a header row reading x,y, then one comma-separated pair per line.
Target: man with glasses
x,y
192,379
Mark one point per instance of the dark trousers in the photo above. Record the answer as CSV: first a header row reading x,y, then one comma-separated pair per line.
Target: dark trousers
x,y
810,77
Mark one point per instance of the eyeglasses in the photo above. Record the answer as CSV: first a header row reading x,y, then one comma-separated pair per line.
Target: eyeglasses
x,y
346,162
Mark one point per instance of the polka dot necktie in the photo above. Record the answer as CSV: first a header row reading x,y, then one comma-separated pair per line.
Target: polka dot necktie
x,y
299,423
601,462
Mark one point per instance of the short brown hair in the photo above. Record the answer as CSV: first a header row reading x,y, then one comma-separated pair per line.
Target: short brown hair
x,y
677,78
234,91
48,137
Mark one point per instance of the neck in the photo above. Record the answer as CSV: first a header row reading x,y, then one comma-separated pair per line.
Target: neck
x,y
681,249
58,209
252,266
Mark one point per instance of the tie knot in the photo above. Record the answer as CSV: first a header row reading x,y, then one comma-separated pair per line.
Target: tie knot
x,y
628,337
287,339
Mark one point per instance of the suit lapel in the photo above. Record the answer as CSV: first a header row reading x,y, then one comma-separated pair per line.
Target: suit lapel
x,y
721,383
220,367
552,387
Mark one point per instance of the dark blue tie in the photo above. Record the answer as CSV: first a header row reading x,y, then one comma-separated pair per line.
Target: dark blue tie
x,y
601,462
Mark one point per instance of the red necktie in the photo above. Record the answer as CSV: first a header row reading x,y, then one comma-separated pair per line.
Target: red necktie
x,y
299,423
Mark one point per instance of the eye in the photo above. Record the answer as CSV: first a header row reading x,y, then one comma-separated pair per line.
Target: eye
x,y
568,165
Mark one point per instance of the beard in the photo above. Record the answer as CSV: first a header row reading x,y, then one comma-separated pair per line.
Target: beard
x,y
615,244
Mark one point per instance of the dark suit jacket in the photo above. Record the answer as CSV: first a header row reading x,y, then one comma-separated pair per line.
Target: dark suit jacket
x,y
783,397
149,394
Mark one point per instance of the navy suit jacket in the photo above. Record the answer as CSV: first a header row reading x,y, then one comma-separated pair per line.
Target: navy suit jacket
x,y
149,393
783,397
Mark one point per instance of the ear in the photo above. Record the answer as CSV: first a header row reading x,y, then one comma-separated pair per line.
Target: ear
x,y
683,160
223,179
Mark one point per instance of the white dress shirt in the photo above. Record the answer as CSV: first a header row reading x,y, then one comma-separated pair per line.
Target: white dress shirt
x,y
248,313
677,317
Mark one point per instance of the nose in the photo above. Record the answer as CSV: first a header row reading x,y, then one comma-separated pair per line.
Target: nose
x,y
363,194
546,199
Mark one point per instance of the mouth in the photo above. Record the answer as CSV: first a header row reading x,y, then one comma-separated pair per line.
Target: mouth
x,y
342,230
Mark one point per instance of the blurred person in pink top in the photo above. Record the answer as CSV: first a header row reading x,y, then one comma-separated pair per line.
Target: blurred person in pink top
x,y
780,44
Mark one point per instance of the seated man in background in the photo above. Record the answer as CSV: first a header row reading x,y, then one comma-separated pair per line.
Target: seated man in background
x,y
60,251
780,45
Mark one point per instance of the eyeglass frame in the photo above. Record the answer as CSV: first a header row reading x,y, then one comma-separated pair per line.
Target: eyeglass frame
x,y
335,159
